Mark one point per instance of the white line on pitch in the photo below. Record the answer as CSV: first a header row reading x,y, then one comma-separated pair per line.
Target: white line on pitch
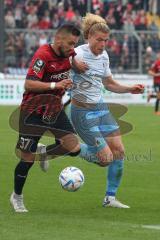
x,y
155,227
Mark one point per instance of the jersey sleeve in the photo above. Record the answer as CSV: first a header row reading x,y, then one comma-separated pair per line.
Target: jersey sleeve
x,y
78,54
107,71
37,67
72,56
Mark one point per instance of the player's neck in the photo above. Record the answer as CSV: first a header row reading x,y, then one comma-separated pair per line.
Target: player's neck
x,y
93,51
55,49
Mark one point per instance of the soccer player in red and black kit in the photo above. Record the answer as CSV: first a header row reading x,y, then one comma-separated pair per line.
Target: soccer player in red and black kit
x,y
155,73
42,109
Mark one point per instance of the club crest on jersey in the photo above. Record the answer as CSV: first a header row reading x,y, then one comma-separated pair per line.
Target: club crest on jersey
x,y
38,65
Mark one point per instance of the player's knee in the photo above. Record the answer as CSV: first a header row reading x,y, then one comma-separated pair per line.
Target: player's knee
x,y
70,142
118,153
106,160
26,156
75,151
105,163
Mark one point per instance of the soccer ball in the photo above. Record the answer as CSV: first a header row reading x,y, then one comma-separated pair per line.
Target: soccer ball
x,y
71,179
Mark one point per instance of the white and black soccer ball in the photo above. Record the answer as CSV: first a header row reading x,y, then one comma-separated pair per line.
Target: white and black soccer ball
x,y
71,179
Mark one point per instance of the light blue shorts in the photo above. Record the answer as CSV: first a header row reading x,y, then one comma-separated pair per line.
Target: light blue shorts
x,y
93,124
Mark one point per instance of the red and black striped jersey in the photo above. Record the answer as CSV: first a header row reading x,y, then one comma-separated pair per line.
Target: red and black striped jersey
x,y
46,66
156,69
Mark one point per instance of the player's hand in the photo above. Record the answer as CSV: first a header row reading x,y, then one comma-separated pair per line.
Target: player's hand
x,y
157,75
81,67
137,89
64,84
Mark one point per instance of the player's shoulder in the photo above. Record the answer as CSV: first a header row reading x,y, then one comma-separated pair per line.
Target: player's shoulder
x,y
43,51
105,55
81,48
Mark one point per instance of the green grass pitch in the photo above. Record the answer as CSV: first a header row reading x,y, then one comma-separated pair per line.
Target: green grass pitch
x,y
58,215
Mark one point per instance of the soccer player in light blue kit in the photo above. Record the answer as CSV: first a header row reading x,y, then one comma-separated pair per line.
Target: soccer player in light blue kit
x,y
89,113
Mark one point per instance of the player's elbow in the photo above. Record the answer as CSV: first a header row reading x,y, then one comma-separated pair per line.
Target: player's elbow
x,y
150,72
109,86
28,86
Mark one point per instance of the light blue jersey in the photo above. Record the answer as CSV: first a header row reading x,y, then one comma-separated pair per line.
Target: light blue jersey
x,y
95,123
88,86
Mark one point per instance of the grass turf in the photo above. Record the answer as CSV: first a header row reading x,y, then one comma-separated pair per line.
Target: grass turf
x,y
56,214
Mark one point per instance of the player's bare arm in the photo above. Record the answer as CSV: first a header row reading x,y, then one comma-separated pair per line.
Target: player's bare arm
x,y
79,66
39,86
113,86
153,74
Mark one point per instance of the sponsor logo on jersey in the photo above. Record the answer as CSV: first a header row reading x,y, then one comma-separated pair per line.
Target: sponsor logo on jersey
x,y
60,76
38,65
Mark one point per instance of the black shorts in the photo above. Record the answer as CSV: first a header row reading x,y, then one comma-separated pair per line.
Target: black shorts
x,y
33,126
157,87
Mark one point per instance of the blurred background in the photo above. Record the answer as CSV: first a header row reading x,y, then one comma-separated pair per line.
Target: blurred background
x,y
133,45
135,26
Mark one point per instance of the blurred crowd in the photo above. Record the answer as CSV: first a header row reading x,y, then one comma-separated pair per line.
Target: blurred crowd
x,y
134,23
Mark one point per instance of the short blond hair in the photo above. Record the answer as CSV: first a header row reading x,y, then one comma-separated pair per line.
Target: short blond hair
x,y
92,23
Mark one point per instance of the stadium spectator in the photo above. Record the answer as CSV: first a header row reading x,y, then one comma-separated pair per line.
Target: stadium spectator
x,y
113,49
18,15
10,51
43,7
120,15
10,20
70,15
152,26
32,19
148,58
129,26
55,21
31,42
45,22
154,71
42,39
155,42
125,59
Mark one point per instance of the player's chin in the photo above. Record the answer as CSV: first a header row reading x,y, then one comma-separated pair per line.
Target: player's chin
x,y
100,51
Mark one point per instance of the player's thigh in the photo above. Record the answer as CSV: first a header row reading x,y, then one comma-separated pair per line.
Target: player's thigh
x,y
70,142
108,124
31,129
63,130
26,147
114,141
86,124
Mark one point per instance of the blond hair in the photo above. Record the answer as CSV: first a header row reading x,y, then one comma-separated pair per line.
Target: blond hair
x,y
92,23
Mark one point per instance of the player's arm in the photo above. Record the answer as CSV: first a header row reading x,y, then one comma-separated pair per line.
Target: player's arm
x,y
39,86
34,79
113,86
79,66
36,86
153,74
